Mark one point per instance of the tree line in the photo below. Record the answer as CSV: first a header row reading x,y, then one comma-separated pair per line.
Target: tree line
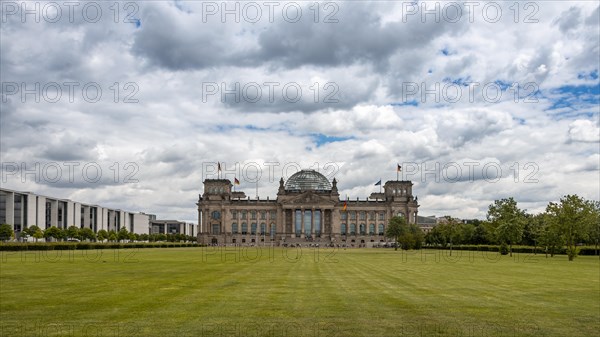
x,y
87,234
571,222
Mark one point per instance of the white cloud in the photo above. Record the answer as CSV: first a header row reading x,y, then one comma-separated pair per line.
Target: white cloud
x,y
540,142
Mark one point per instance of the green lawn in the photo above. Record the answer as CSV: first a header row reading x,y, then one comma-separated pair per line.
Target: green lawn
x,y
360,292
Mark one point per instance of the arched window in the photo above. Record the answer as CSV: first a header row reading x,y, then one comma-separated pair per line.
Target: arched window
x,y
381,229
343,229
372,229
253,228
234,228
273,229
362,229
216,215
353,229
244,228
263,228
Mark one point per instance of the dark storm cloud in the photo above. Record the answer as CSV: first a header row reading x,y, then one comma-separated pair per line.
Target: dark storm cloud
x,y
178,40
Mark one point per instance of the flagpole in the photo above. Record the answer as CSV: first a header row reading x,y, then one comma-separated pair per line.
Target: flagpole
x,y
379,185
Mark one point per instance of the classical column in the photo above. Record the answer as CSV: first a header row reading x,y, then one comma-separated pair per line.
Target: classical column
x,y
322,221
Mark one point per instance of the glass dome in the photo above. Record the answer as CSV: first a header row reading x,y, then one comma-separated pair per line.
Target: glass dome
x,y
307,180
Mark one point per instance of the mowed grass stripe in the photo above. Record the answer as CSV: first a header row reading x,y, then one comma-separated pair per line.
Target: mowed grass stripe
x,y
358,292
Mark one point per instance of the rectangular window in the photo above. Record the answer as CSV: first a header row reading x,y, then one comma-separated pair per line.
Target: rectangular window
x,y
234,214
298,223
307,222
318,223
263,215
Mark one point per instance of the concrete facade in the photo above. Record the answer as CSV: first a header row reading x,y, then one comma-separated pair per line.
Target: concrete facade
x,y
24,209
172,227
307,209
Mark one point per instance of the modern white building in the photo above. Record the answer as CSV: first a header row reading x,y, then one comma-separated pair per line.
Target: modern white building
x,y
24,209
172,227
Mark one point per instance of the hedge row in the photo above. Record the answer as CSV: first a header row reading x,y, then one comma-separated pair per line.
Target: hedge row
x,y
585,250
88,245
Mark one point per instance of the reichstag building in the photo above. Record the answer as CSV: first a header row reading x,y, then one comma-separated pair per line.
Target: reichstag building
x,y
307,209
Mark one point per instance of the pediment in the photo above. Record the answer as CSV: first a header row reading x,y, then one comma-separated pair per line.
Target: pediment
x,y
309,198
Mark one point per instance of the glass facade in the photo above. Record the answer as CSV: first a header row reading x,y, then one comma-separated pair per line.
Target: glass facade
x,y
298,223
307,222
318,222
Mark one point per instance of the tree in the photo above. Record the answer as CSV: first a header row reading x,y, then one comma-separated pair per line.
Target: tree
x,y
87,234
112,236
573,217
54,232
6,232
34,231
550,237
533,230
396,229
594,230
480,234
123,234
509,221
451,232
72,232
102,235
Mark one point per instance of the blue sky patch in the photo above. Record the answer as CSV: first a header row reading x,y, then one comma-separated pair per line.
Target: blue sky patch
x,y
574,96
413,102
322,139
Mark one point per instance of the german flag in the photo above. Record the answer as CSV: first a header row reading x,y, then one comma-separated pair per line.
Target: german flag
x,y
399,169
345,208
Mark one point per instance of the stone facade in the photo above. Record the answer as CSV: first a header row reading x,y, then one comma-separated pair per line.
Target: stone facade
x,y
307,210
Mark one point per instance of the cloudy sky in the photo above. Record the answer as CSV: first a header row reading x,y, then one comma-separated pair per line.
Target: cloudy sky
x,y
477,101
